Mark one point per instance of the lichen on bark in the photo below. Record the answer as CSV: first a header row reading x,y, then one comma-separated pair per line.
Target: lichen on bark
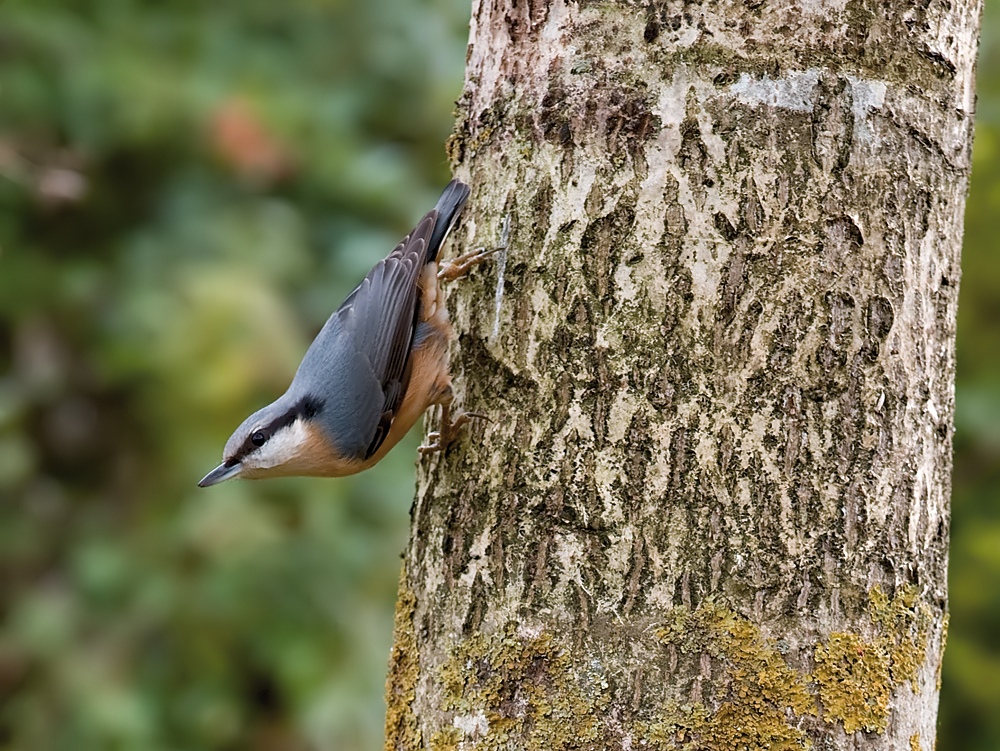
x,y
856,676
756,697
401,729
516,688
522,687
854,682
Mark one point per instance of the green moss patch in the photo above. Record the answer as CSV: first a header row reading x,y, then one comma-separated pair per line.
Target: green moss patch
x,y
401,731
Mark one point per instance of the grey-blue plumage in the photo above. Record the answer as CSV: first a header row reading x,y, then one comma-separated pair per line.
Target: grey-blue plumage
x,y
354,375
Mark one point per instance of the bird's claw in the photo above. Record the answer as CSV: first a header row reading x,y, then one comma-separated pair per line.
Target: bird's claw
x,y
433,444
439,440
459,267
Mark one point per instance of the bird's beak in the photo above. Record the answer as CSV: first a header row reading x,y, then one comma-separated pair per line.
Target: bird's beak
x,y
220,474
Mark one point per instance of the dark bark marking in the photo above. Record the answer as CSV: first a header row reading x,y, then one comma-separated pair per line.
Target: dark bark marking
x,y
724,227
941,65
751,319
661,395
524,18
726,446
638,442
478,598
634,576
751,210
601,247
880,319
786,337
535,566
679,303
693,154
554,117
733,285
832,124
682,458
674,222
854,459
847,232
600,392
563,399
832,355
791,408
540,211
630,122
652,30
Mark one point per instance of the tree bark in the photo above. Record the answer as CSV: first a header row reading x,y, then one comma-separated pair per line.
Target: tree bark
x,y
710,507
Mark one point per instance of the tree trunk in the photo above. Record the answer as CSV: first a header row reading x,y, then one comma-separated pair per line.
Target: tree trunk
x,y
710,508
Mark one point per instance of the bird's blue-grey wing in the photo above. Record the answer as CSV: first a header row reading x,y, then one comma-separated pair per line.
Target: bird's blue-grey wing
x,y
360,361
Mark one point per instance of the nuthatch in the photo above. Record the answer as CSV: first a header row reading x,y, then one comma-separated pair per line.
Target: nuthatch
x,y
376,366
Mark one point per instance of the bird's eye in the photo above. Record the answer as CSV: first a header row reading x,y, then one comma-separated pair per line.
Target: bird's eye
x,y
258,438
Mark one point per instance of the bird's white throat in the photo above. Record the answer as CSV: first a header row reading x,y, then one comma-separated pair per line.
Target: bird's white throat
x,y
281,448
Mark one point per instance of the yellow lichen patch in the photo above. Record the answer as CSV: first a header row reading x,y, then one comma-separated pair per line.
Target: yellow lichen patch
x,y
734,726
401,731
676,725
915,742
856,677
944,642
903,622
527,692
446,739
524,689
756,697
854,681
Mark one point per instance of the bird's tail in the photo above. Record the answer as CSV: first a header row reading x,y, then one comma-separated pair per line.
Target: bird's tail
x,y
448,207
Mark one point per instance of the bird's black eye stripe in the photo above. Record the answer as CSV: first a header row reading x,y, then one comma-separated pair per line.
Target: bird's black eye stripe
x,y
309,407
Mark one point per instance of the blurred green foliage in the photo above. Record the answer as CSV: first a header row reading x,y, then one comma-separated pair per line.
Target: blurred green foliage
x,y
186,190
970,698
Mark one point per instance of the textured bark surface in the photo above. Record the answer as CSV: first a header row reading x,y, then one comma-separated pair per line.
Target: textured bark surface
x,y
711,508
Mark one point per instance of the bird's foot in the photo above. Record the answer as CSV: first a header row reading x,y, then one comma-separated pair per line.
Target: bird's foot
x,y
457,268
439,440
449,271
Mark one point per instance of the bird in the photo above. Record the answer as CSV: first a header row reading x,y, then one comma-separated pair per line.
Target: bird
x,y
379,362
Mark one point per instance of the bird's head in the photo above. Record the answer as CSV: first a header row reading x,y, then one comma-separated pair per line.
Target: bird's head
x,y
282,439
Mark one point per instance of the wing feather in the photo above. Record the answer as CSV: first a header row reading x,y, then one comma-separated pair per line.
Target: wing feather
x,y
359,365
384,311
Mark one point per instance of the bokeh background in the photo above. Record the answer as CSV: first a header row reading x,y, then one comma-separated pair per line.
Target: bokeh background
x,y
186,190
